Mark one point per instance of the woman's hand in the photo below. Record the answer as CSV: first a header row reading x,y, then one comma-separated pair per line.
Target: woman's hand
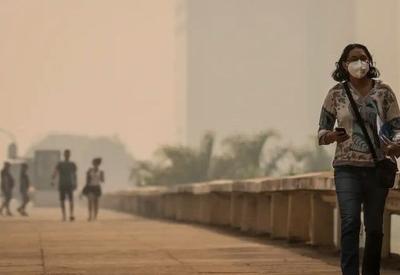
x,y
390,148
336,136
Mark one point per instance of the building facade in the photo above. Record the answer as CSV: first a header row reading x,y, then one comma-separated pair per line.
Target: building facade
x,y
246,66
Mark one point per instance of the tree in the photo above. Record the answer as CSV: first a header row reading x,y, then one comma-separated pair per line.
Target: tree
x,y
315,158
241,157
142,173
178,164
289,160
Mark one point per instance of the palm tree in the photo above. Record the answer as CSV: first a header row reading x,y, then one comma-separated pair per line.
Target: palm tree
x,y
242,155
142,173
179,164
289,160
315,158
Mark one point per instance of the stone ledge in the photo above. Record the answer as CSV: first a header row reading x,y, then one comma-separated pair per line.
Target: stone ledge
x,y
311,181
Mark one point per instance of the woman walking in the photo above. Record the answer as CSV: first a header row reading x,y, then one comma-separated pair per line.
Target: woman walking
x,y
92,189
368,120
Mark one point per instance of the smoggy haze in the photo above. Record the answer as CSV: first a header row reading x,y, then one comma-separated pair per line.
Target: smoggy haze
x,y
88,67
102,67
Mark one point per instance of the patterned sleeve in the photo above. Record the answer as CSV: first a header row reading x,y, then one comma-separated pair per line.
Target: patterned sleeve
x,y
327,118
392,115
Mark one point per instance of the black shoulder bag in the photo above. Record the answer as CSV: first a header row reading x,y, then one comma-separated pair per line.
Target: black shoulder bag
x,y
385,169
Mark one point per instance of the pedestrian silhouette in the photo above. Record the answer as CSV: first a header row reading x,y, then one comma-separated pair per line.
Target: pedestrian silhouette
x,y
92,189
24,189
67,183
7,185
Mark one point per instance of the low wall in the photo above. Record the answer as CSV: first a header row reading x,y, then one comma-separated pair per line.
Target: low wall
x,y
300,208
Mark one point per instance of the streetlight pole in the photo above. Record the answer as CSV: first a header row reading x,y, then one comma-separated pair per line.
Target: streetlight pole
x,y
12,147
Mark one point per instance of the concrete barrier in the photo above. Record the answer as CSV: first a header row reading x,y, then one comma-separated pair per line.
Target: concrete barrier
x,y
300,208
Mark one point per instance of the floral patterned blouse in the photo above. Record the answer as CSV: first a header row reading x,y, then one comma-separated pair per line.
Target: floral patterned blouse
x,y
381,114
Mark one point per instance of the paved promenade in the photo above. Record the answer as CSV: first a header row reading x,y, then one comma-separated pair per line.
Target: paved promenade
x,y
124,244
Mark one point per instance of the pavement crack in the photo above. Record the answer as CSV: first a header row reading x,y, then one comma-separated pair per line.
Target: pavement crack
x,y
42,257
168,253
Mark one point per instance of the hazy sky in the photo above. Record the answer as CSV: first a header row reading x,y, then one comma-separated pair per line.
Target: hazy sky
x,y
261,64
96,67
105,67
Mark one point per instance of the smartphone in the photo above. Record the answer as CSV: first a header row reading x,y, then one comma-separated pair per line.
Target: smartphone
x,y
341,130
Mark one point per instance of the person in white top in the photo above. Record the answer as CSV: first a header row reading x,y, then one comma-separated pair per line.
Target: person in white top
x,y
92,189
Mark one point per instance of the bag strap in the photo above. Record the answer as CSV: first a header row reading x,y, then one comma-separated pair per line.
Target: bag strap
x,y
361,122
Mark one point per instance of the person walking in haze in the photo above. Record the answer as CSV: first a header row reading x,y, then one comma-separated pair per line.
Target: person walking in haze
x,y
92,189
355,173
24,188
67,183
7,185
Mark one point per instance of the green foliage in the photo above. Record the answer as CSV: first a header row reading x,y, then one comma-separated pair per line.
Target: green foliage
x,y
314,158
272,160
178,164
242,157
142,173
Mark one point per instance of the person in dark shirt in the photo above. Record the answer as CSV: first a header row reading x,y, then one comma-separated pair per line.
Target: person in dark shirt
x,y
67,183
24,188
7,185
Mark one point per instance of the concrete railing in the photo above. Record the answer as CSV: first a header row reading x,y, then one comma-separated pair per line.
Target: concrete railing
x,y
298,208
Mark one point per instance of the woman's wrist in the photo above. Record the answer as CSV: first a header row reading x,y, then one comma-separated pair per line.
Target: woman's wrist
x,y
329,138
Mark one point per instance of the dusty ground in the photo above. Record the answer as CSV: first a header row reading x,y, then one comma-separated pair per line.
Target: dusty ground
x,y
124,244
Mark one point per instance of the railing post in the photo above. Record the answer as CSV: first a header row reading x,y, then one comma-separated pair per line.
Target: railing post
x,y
248,222
171,204
321,221
236,209
196,208
205,208
124,203
221,208
263,224
135,204
299,216
187,206
160,206
279,214
180,206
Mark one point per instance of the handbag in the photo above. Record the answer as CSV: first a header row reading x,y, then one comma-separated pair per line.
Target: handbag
x,y
85,190
386,169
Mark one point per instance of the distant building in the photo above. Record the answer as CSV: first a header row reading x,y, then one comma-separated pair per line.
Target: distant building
x,y
40,170
252,65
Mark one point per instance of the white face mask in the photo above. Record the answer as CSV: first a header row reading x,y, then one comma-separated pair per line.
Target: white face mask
x,y
358,69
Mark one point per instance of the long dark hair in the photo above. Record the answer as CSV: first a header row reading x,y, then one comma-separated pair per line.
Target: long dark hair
x,y
340,74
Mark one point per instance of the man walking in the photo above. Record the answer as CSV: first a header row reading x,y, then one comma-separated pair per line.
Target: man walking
x,y
67,183
24,189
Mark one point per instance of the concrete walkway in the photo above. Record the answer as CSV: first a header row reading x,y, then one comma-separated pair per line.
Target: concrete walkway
x,y
123,244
